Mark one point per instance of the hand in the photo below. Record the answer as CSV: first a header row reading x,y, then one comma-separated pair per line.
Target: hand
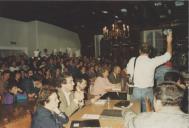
x,y
93,100
81,103
19,90
56,110
78,88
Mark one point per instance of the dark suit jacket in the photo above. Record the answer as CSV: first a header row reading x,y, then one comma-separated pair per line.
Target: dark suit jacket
x,y
43,118
113,79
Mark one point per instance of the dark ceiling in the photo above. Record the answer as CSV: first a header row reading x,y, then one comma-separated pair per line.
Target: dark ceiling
x,y
88,16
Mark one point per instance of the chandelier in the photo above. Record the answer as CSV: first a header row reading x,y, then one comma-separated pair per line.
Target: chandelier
x,y
118,31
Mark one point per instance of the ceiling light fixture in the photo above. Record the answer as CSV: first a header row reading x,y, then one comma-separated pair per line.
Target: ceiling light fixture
x,y
124,10
118,31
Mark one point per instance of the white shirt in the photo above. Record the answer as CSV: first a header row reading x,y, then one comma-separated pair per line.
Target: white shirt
x,y
145,68
12,69
67,95
36,53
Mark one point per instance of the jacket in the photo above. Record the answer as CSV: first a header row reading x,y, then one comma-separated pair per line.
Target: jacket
x,y
43,118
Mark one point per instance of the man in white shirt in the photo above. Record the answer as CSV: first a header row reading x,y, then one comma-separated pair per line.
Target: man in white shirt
x,y
70,101
144,71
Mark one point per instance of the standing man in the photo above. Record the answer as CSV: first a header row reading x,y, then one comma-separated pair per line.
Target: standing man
x,y
144,71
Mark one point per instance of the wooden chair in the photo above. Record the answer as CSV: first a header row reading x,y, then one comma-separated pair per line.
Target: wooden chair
x,y
148,105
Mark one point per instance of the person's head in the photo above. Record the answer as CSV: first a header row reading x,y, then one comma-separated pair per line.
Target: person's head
x,y
30,73
173,76
67,83
144,48
83,69
17,75
117,70
81,84
13,64
48,97
167,94
37,80
13,89
104,72
5,75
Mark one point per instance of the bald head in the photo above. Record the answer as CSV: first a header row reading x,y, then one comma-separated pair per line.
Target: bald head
x,y
117,70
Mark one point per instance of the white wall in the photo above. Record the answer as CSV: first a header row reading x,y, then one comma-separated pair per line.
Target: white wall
x,y
54,37
13,31
32,31
35,34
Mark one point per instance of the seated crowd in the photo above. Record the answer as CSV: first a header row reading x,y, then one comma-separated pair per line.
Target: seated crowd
x,y
60,85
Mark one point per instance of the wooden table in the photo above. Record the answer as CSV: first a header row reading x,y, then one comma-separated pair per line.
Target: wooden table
x,y
97,109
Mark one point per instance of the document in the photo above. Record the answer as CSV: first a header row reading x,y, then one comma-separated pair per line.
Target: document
x,y
101,102
116,89
90,116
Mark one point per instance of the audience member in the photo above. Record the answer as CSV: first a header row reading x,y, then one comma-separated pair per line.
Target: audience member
x,y
81,85
161,70
4,81
31,85
47,114
102,85
177,77
167,98
114,76
10,96
13,67
70,100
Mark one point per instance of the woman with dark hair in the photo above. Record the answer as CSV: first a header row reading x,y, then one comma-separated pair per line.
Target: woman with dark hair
x,y
47,114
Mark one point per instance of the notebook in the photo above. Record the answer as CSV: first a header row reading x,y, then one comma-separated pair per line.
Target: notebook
x,y
115,95
85,123
111,113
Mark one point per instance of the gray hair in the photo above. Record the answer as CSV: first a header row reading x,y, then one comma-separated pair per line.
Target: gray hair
x,y
169,93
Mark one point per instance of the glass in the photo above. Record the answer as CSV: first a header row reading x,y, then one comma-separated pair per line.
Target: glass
x,y
130,90
108,102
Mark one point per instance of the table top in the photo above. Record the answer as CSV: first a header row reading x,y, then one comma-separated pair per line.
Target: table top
x,y
97,109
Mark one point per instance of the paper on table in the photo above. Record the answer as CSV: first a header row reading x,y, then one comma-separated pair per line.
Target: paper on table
x,y
90,116
116,88
101,102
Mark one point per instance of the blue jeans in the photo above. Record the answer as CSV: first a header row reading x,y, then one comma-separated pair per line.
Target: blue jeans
x,y
141,94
